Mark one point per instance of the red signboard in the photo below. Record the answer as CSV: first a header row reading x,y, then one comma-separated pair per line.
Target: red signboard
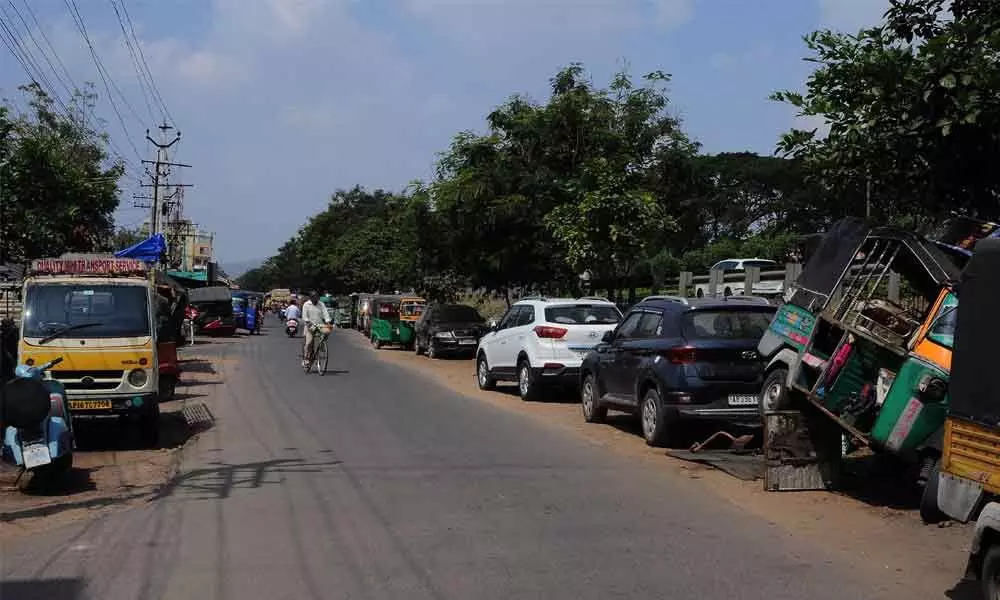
x,y
88,266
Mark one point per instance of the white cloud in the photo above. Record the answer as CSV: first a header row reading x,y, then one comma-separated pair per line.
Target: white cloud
x,y
851,15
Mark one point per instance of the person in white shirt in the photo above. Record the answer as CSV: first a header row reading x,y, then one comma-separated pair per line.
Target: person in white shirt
x,y
314,314
292,311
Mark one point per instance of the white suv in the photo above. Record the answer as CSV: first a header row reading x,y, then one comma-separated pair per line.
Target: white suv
x,y
542,341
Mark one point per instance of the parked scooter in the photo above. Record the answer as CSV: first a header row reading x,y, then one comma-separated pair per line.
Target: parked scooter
x,y
39,431
292,327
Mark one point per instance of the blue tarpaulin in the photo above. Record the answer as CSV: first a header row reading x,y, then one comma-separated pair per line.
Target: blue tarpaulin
x,y
148,250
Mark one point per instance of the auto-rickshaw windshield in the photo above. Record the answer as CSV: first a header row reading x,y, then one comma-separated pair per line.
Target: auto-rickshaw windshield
x,y
412,309
106,311
942,330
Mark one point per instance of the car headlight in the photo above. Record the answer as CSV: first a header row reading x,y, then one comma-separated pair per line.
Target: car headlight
x,y
444,334
138,378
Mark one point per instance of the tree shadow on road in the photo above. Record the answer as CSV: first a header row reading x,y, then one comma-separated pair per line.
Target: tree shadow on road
x,y
218,482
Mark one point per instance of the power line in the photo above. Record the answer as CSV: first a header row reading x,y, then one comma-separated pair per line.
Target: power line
x,y
142,59
45,55
143,84
81,26
45,38
27,59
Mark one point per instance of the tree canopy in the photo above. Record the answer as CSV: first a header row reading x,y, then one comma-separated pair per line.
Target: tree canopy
x,y
58,185
595,179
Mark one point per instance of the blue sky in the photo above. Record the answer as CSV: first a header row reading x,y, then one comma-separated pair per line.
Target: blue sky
x,y
281,102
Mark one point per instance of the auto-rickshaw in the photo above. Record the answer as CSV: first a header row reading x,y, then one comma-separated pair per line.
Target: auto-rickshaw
x,y
969,478
385,324
410,309
856,356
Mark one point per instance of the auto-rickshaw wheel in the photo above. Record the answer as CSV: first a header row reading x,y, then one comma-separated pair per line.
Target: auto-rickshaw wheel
x,y
930,512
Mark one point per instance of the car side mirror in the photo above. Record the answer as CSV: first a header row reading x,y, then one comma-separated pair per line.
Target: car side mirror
x,y
608,337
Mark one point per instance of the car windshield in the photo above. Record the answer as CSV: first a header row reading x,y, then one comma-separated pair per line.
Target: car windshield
x,y
457,313
106,311
583,314
726,324
763,264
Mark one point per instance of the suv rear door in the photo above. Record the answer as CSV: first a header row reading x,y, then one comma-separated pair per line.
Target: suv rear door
x,y
723,345
584,324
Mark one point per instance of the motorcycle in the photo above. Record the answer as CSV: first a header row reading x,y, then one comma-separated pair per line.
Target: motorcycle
x,y
292,327
38,434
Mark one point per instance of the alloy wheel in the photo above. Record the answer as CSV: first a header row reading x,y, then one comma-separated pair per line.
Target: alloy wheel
x,y
648,418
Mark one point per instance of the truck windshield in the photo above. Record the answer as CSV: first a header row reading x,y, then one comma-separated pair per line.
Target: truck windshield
x,y
943,329
93,311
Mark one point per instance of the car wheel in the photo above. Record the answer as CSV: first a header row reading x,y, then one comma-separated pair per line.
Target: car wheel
x,y
593,410
483,377
700,293
526,384
990,574
655,428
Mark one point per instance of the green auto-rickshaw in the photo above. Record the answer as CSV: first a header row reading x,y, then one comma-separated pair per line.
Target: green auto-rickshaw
x,y
385,325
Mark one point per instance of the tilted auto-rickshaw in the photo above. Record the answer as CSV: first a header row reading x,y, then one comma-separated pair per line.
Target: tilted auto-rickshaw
x,y
385,324
969,478
858,356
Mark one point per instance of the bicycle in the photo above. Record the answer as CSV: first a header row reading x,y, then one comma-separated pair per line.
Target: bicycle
x,y
319,350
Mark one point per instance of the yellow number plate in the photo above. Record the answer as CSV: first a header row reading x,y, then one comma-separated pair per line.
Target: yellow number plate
x,y
89,404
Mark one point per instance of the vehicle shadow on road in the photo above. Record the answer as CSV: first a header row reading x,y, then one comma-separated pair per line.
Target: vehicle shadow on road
x,y
119,435
881,480
70,588
197,365
965,590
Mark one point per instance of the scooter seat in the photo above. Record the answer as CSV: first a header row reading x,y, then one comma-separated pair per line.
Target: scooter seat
x,y
24,403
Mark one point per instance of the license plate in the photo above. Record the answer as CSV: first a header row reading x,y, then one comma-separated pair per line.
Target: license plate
x,y
89,404
466,342
743,400
36,455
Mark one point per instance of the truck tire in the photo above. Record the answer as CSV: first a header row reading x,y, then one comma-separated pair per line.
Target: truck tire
x,y
149,427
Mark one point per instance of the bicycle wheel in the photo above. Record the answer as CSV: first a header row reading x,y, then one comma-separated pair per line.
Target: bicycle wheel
x,y
322,358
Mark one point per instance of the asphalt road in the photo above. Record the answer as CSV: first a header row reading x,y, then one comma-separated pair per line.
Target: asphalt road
x,y
369,483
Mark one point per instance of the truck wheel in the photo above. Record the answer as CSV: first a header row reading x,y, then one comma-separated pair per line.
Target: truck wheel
x,y
990,574
149,427
930,512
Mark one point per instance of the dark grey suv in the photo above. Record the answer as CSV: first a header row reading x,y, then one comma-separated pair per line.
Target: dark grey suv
x,y
676,359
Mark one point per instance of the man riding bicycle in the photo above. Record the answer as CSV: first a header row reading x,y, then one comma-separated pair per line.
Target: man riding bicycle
x,y
314,315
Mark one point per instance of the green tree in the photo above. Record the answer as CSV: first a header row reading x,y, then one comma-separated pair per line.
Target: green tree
x,y
913,115
58,182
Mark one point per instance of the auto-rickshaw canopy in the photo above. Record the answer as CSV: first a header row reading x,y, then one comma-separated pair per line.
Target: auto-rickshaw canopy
x,y
850,244
974,387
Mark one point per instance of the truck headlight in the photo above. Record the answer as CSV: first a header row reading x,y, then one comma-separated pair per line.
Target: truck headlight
x,y
138,378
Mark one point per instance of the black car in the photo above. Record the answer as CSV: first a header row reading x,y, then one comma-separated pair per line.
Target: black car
x,y
676,359
449,329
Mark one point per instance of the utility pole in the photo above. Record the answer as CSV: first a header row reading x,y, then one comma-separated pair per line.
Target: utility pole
x,y
161,204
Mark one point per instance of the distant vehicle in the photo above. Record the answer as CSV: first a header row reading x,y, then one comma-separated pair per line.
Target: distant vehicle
x,y
735,288
449,329
213,311
671,361
541,342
